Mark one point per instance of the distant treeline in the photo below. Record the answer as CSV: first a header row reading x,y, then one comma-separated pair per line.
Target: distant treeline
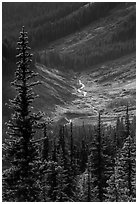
x,y
107,46
35,16
70,23
53,24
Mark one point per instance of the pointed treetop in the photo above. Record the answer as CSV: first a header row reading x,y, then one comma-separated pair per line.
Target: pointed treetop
x,y
23,32
23,29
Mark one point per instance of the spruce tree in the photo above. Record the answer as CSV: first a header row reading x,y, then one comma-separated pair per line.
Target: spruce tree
x,y
71,146
128,154
122,183
62,176
100,164
112,190
66,168
86,189
120,132
87,194
44,165
49,177
72,169
133,128
89,184
83,157
62,146
126,177
51,181
21,179
45,150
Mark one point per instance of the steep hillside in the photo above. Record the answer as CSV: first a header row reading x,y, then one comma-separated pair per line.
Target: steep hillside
x,y
79,96
33,15
102,58
105,39
90,70
108,88
49,23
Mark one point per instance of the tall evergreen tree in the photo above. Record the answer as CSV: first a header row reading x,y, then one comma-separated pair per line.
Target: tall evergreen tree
x,y
112,190
62,176
54,153
86,189
21,179
127,123
120,132
127,166
126,172
45,150
122,183
100,164
71,146
129,159
51,181
72,169
49,177
61,144
133,128
45,165
83,156
87,186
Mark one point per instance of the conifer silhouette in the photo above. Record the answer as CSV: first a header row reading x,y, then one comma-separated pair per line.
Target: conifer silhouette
x,y
21,179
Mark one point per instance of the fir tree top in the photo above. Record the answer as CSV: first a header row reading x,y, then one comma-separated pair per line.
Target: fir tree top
x,y
20,181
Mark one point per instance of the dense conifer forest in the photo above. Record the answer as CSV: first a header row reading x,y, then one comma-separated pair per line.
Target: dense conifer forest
x,y
89,163
50,22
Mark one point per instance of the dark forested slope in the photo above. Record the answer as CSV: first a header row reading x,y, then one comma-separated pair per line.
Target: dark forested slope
x,y
35,16
66,36
107,38
48,21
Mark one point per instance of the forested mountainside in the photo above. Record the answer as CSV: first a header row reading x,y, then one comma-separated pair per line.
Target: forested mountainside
x,y
116,27
43,24
34,15
106,31
37,17
82,76
105,39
